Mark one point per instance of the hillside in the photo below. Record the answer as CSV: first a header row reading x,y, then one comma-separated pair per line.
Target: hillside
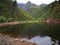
x,y
49,11
9,12
29,7
20,5
33,9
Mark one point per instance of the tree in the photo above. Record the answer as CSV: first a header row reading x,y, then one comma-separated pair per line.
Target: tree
x,y
14,8
59,1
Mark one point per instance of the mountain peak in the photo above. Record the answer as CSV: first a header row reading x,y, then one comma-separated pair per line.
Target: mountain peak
x,y
28,2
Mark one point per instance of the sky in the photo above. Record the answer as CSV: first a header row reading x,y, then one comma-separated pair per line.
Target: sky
x,y
37,2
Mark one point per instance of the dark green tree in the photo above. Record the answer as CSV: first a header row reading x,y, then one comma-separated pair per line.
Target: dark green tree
x,y
59,1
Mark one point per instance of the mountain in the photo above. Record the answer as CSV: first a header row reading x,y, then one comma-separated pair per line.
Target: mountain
x,y
20,5
34,8
43,5
27,6
9,11
49,11
30,8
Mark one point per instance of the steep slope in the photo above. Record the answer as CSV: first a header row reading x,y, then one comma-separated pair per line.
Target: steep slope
x,y
20,5
23,16
49,11
10,12
29,7
33,9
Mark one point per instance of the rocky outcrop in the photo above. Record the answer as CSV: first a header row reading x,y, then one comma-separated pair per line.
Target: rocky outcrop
x,y
6,40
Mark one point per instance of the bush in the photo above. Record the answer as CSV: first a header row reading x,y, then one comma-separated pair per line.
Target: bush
x,y
2,19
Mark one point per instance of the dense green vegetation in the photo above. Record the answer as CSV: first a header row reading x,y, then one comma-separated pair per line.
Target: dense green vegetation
x,y
49,11
33,9
10,12
30,8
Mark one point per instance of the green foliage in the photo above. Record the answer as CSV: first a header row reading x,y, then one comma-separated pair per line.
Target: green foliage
x,y
30,8
2,19
33,9
22,15
49,11
39,13
11,12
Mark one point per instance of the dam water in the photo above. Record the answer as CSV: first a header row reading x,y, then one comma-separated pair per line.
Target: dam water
x,y
41,32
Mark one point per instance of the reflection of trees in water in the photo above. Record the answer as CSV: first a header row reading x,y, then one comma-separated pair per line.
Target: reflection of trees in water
x,y
33,29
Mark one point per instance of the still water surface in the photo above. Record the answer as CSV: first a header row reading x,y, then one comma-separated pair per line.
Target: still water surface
x,y
32,29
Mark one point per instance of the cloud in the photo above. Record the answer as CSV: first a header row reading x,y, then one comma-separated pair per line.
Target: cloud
x,y
38,2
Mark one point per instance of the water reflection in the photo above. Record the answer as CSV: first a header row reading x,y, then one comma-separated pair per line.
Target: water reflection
x,y
41,40
38,40
33,29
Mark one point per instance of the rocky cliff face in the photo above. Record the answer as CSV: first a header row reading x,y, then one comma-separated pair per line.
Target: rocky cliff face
x,y
27,6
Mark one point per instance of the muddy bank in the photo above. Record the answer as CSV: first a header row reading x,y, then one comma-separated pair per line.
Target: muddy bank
x,y
52,21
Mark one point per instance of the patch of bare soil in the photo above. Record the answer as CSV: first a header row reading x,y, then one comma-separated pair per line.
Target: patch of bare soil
x,y
10,23
52,21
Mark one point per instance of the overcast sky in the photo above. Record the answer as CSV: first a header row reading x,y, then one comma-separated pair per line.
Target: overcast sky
x,y
37,2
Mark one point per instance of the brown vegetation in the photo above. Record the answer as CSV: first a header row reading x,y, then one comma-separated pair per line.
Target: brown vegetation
x,y
52,21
